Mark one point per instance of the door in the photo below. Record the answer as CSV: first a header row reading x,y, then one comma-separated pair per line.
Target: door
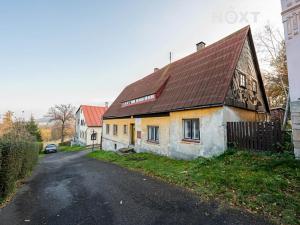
x,y
132,134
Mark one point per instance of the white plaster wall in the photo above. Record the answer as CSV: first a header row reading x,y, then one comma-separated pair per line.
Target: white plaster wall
x,y
212,136
89,132
291,16
80,128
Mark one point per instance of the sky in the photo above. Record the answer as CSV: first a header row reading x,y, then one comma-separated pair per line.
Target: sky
x,y
86,52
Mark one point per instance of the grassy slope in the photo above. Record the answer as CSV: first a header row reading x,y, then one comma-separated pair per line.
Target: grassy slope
x,y
264,183
70,148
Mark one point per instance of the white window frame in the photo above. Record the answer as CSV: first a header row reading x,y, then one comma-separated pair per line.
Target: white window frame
x,y
243,80
153,134
194,133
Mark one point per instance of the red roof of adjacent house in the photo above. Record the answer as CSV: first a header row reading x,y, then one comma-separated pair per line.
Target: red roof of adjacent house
x,y
93,115
201,79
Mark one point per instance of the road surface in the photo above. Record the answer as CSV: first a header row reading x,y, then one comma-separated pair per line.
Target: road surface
x,y
69,188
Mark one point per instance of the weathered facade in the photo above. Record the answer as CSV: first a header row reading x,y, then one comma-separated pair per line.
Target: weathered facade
x,y
181,110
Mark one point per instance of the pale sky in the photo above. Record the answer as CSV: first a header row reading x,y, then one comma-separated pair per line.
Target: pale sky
x,y
86,52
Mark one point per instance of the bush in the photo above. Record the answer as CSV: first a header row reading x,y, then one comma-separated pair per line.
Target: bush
x,y
66,143
41,147
17,160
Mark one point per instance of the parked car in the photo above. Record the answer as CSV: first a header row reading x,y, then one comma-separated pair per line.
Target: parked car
x,y
51,148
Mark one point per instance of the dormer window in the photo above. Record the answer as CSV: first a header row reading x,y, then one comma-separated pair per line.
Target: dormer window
x,y
242,80
139,100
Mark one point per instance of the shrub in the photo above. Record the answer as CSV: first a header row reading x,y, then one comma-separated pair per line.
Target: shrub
x,y
66,143
17,161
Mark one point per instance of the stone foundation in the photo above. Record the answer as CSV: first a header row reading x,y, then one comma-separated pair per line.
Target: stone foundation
x,y
295,113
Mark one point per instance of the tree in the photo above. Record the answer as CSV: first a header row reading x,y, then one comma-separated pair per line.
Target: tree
x,y
272,49
62,114
46,133
7,123
33,129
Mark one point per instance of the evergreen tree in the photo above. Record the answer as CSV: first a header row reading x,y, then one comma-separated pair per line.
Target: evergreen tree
x,y
33,129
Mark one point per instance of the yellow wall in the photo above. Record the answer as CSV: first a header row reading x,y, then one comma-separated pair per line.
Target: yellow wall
x,y
121,138
212,132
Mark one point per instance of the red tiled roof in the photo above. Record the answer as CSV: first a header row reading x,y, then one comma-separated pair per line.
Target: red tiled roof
x,y
93,115
201,79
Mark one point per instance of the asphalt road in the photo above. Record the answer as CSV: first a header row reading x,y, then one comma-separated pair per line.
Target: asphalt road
x,y
69,188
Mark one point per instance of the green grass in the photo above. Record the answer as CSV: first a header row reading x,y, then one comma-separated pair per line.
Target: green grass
x,y
263,183
70,148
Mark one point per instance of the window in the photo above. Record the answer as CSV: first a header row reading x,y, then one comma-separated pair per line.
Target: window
x,y
107,129
94,136
115,129
254,86
125,129
191,129
153,134
138,100
242,80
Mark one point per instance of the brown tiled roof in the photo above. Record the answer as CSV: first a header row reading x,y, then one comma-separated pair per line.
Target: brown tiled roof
x,y
201,79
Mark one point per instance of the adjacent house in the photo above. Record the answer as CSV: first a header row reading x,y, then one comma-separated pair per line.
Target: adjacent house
x,y
291,23
181,110
89,124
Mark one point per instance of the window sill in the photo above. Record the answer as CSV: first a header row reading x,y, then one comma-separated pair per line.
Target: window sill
x,y
191,141
153,142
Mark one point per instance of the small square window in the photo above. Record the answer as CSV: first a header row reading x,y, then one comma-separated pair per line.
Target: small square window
x,y
191,129
153,134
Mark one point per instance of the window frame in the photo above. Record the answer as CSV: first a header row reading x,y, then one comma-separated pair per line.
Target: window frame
x,y
107,128
125,129
115,130
193,136
254,86
243,80
153,137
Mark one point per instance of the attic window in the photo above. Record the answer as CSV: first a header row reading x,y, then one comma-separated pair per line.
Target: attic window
x,y
254,86
139,100
242,80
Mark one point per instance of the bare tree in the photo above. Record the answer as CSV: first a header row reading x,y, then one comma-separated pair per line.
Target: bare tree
x,y
271,48
62,114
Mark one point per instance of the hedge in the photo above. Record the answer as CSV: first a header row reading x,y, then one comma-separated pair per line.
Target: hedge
x,y
66,143
17,159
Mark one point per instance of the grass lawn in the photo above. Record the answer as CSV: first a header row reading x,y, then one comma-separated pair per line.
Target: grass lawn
x,y
262,183
71,148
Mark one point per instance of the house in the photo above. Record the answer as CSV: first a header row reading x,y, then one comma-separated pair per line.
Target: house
x,y
181,110
88,126
291,22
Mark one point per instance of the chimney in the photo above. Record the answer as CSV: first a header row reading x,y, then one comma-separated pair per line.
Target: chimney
x,y
200,45
156,69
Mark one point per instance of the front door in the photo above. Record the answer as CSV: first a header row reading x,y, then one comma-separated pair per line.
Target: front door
x,y
132,134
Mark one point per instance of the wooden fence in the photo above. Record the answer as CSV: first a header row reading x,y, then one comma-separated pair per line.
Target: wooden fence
x,y
259,136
